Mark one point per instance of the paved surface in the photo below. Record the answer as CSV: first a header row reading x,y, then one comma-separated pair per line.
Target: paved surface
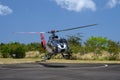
x,y
50,71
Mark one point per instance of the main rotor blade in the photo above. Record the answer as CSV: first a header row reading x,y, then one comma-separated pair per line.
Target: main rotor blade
x,y
77,27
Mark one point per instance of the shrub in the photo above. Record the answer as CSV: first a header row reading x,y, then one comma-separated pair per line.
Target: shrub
x,y
18,52
96,44
4,51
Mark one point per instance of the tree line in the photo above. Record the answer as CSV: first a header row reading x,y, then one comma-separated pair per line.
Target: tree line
x,y
17,50
94,44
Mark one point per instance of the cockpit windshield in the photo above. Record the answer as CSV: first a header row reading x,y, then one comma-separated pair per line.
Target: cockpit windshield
x,y
60,41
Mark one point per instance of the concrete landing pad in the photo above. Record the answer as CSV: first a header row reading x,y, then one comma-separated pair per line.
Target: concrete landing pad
x,y
59,71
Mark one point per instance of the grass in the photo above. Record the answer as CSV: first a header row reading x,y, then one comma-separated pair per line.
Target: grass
x,y
31,60
13,61
86,58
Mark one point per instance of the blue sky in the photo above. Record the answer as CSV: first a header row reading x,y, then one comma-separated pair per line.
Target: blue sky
x,y
45,15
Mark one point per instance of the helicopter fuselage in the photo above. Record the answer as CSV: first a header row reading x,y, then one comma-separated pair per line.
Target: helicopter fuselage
x,y
58,45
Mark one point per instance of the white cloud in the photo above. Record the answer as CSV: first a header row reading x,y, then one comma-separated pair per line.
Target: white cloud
x,y
113,3
76,5
5,10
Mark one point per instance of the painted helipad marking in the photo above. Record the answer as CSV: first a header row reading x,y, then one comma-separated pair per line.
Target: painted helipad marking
x,y
89,67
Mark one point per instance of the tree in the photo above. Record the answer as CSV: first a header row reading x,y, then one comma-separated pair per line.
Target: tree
x,y
75,42
74,39
4,50
113,49
17,50
96,44
34,47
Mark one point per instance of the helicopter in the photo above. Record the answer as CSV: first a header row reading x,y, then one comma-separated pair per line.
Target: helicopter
x,y
55,45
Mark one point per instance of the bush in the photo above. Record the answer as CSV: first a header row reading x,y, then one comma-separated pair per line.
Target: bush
x,y
15,50
4,51
18,52
96,44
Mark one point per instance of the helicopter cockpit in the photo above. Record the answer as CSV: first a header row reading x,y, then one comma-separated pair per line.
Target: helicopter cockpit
x,y
54,41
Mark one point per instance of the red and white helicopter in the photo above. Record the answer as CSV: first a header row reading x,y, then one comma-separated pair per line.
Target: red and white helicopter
x,y
55,44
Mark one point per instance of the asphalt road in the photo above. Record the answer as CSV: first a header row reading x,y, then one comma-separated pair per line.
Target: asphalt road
x,y
56,71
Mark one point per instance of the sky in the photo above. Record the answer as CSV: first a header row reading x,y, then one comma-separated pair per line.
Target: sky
x,y
46,15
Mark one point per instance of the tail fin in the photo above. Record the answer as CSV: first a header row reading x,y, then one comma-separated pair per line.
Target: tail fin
x,y
43,41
